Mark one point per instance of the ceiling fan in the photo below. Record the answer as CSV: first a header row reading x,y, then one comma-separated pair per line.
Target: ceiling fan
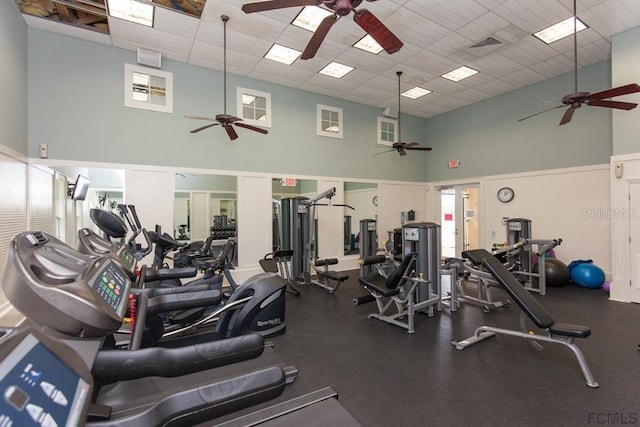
x,y
402,147
227,121
365,19
599,99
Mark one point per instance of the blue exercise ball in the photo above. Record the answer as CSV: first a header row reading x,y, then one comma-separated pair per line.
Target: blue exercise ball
x,y
587,275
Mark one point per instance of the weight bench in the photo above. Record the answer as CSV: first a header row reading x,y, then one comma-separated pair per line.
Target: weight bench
x,y
399,290
560,333
483,279
326,276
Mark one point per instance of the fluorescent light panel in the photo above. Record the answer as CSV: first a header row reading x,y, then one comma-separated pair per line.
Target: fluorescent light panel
x,y
460,73
368,44
282,54
337,70
415,93
560,30
133,11
310,17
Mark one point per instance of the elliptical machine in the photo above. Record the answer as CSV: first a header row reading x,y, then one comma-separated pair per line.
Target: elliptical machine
x,y
257,305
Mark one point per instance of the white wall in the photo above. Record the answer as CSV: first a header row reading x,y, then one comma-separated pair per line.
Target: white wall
x,y
571,204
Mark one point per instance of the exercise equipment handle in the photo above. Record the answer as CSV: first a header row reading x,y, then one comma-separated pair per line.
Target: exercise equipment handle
x,y
372,259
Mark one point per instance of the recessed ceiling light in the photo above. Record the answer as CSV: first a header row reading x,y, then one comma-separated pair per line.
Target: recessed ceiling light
x,y
336,70
310,17
282,54
415,93
133,11
367,43
460,73
560,30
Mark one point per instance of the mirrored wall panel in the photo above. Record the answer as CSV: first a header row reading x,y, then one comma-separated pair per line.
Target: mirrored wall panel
x,y
363,198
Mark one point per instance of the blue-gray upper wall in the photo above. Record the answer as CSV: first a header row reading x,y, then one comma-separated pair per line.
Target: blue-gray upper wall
x,y
487,138
13,78
76,106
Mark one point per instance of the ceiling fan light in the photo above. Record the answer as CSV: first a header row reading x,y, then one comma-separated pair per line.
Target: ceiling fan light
x,y
368,44
560,30
415,93
282,54
460,73
337,70
310,17
140,12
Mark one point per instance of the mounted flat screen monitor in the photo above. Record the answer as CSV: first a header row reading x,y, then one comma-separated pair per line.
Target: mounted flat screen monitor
x,y
78,190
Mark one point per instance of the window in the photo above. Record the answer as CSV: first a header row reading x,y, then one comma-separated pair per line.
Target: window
x,y
329,121
254,107
148,89
387,131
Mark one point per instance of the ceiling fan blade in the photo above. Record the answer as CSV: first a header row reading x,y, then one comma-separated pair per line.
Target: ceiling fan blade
x,y
540,112
253,128
409,144
613,104
616,91
261,6
385,151
419,148
376,29
204,127
566,117
211,119
318,37
402,152
231,132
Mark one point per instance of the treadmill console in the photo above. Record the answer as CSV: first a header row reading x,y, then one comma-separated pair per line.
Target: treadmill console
x,y
54,285
91,243
42,381
110,284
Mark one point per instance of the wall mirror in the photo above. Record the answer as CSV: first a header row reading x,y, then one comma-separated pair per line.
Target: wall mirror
x,y
286,188
363,197
205,206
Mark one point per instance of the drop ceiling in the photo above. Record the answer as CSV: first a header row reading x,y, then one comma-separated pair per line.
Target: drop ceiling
x,y
437,37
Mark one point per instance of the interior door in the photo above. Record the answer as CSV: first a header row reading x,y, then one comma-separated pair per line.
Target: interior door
x,y
633,215
459,208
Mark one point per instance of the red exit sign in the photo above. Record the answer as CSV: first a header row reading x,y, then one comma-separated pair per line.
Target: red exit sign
x,y
288,182
454,164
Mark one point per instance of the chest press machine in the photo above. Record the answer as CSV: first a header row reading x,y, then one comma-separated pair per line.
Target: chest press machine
x,y
414,286
554,332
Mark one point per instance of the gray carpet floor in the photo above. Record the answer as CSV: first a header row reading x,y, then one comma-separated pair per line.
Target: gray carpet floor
x,y
387,377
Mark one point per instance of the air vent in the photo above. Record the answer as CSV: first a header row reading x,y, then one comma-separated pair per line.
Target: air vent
x,y
489,41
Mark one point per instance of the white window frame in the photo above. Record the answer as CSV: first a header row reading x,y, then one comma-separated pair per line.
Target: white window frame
x,y
129,101
320,131
395,132
240,91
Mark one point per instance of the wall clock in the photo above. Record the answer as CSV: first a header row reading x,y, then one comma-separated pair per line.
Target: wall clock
x,y
506,194
375,200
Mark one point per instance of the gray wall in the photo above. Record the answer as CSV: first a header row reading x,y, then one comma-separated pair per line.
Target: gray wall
x,y
625,64
488,140
13,78
82,117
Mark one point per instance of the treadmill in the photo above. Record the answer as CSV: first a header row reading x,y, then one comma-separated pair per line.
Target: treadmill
x,y
80,299
72,301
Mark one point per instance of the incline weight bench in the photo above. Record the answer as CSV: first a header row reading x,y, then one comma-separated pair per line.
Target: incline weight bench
x,y
560,333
